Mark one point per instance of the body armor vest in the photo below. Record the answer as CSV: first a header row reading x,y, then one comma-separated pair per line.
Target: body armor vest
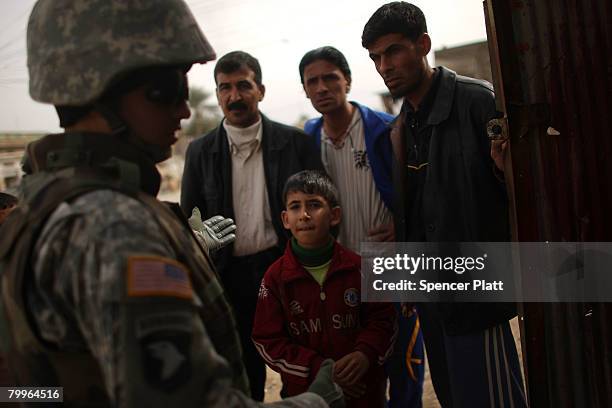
x,y
64,167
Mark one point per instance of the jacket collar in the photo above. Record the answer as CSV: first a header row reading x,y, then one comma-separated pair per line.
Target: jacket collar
x,y
110,154
443,101
374,124
292,270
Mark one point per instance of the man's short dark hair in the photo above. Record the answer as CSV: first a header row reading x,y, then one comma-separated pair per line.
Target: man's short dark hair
x,y
312,182
329,54
397,17
233,61
7,201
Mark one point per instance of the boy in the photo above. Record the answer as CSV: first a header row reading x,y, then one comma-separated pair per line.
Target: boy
x,y
309,302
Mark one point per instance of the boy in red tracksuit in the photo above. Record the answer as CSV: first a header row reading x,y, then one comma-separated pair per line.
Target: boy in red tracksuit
x,y
309,306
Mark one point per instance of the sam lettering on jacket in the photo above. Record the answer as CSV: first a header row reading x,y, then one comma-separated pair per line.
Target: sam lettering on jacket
x,y
310,326
306,326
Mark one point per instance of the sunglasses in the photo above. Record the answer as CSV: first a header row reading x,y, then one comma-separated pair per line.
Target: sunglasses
x,y
167,87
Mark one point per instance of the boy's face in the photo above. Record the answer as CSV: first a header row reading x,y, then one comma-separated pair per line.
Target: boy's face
x,y
310,218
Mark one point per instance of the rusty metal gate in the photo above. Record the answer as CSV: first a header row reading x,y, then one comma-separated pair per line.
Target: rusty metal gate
x,y
552,72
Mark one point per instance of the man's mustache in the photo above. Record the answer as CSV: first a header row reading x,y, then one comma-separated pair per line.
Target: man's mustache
x,y
238,105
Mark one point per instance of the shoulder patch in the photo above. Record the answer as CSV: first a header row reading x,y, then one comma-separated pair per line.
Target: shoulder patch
x,y
157,276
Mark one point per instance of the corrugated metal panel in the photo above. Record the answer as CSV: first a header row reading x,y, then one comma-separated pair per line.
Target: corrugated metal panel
x,y
563,50
555,78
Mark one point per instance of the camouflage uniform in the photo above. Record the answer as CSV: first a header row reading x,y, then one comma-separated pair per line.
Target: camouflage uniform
x,y
105,290
133,345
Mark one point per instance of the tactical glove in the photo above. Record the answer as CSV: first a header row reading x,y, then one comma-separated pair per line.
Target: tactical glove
x,y
213,233
324,386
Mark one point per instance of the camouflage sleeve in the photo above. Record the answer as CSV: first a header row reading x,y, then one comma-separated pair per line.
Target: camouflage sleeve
x,y
106,282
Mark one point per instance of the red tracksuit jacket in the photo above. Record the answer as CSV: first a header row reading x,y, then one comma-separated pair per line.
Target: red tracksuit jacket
x,y
299,323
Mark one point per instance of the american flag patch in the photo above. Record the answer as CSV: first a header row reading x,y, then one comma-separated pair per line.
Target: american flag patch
x,y
157,276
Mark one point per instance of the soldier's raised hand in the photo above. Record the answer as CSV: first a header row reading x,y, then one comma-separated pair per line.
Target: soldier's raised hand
x,y
213,233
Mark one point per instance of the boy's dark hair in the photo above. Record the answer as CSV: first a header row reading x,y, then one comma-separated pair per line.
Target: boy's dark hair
x,y
397,17
7,200
329,54
234,60
312,182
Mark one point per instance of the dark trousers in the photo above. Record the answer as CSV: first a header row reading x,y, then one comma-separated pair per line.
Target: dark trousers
x,y
406,382
242,280
475,370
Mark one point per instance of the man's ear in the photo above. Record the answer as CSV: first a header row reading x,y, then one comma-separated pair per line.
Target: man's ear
x,y
348,84
262,91
285,219
336,213
424,44
304,88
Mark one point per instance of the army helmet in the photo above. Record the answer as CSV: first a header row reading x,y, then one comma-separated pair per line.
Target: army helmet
x,y
78,48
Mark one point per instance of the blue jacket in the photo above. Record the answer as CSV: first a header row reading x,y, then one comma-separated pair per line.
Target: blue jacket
x,y
378,147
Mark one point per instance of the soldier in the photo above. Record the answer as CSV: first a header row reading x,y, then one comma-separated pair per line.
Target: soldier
x,y
105,290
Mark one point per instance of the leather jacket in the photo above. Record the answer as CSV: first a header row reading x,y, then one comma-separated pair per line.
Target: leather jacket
x,y
463,200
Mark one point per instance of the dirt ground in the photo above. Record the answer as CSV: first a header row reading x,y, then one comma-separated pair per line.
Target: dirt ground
x,y
273,382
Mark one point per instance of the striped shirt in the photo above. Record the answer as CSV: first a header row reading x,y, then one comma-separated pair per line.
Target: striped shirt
x,y
349,168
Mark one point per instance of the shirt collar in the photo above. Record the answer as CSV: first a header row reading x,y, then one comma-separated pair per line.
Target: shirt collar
x,y
426,104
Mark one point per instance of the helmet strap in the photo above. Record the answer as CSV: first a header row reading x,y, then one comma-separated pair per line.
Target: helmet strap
x,y
121,129
116,123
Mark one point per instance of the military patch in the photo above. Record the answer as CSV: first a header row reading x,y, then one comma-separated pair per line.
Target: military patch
x,y
172,321
295,307
166,359
157,276
351,298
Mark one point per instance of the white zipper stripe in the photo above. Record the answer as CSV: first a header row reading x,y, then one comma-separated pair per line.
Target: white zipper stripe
x,y
282,364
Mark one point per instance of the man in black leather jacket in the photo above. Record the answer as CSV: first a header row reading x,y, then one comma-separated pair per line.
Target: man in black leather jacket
x,y
448,188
